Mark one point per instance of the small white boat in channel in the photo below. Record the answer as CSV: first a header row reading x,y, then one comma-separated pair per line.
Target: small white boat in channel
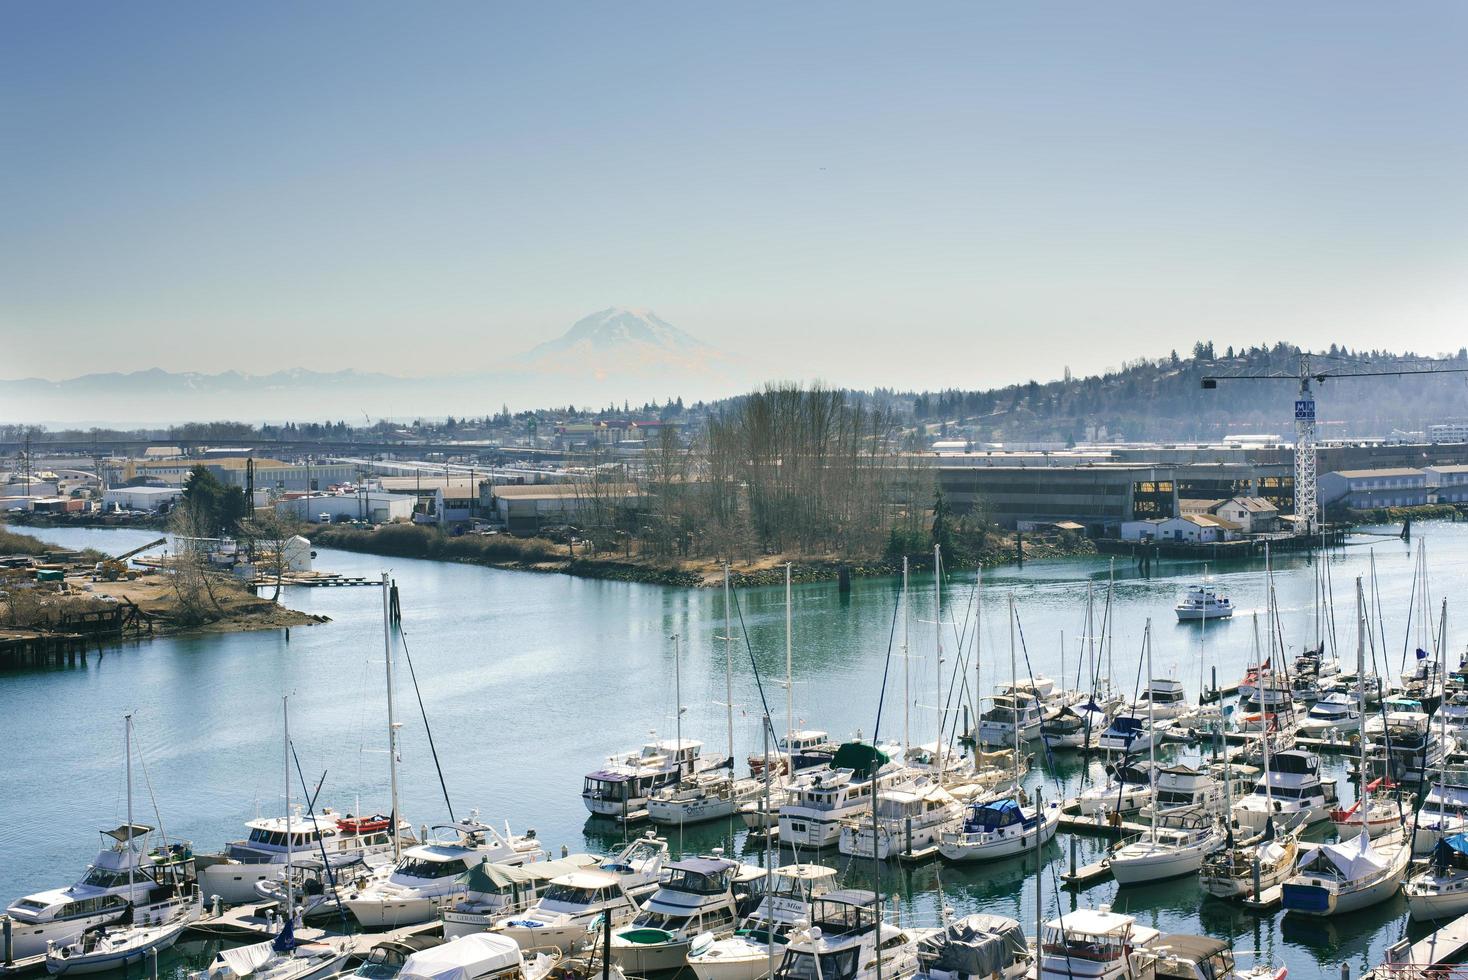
x,y
1203,602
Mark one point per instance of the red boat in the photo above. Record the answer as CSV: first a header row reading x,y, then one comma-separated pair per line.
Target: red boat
x,y
363,825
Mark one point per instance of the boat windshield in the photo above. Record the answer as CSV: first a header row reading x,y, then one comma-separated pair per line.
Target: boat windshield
x,y
840,965
698,882
570,895
659,920
107,877
382,964
418,868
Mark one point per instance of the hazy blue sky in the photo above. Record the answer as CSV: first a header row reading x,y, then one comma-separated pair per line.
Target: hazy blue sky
x,y
912,194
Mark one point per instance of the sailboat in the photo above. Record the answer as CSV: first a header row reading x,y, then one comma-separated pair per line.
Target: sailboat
x,y
1176,843
1243,868
1440,890
1351,875
1003,827
714,793
156,923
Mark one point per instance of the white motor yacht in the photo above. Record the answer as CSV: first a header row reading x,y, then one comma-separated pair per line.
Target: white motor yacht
x,y
1203,602
1183,789
567,909
496,892
1164,698
235,873
1096,944
697,897
762,936
1331,715
621,788
907,820
1292,793
1128,734
843,939
997,725
820,799
433,875
118,876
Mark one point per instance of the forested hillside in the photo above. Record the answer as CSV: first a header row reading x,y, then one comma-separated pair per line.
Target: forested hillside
x,y
1163,399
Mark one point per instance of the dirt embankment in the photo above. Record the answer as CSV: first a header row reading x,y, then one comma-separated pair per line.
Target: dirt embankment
x,y
232,607
540,555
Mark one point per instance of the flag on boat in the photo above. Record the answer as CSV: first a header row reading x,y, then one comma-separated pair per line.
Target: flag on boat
x,y
1421,654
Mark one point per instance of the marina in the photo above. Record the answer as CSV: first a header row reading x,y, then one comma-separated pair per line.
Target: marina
x,y
614,639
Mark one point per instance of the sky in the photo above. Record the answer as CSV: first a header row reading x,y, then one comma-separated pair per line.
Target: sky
x,y
909,195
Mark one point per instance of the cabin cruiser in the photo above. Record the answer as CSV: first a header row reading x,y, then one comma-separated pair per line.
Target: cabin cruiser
x,y
1294,787
1175,845
804,749
999,828
234,874
622,787
977,945
842,940
1409,751
1444,811
1184,957
1440,890
1331,715
493,893
697,897
1127,789
316,887
706,796
1127,733
762,936
386,959
907,820
1203,602
1337,878
821,798
483,956
103,893
1096,944
1396,709
1006,712
1229,871
1164,698
566,910
432,875
1182,788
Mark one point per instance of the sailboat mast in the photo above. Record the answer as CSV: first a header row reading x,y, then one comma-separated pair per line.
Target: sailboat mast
x,y
127,745
1091,634
392,724
677,698
789,657
285,714
1151,725
906,683
728,672
938,631
1365,807
978,630
1013,693
1263,723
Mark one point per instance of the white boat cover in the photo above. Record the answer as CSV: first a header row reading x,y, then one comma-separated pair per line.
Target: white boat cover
x,y
245,960
1355,859
466,958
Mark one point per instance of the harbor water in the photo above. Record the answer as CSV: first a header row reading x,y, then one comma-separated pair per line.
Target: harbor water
x,y
529,681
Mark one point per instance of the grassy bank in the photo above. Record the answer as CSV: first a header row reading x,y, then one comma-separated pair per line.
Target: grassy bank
x,y
540,555
1396,515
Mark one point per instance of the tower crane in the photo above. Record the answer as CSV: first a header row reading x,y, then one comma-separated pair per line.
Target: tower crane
x,y
1307,506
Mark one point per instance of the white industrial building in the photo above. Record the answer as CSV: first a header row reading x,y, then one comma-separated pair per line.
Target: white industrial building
x,y
140,498
1448,432
373,506
1448,484
1365,489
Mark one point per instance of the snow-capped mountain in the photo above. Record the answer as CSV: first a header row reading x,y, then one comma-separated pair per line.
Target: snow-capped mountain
x,y
618,342
611,355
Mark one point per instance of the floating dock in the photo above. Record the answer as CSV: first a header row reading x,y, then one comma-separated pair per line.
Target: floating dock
x,y
1442,948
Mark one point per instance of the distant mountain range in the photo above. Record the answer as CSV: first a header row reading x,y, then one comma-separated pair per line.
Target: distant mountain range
x,y
608,356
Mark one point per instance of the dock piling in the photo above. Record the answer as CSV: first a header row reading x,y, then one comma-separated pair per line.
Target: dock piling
x,y
7,926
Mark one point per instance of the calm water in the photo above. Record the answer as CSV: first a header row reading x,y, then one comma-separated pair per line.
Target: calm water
x,y
531,680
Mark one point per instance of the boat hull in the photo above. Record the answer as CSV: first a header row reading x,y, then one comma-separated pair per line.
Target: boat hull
x,y
372,913
639,959
678,813
234,883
